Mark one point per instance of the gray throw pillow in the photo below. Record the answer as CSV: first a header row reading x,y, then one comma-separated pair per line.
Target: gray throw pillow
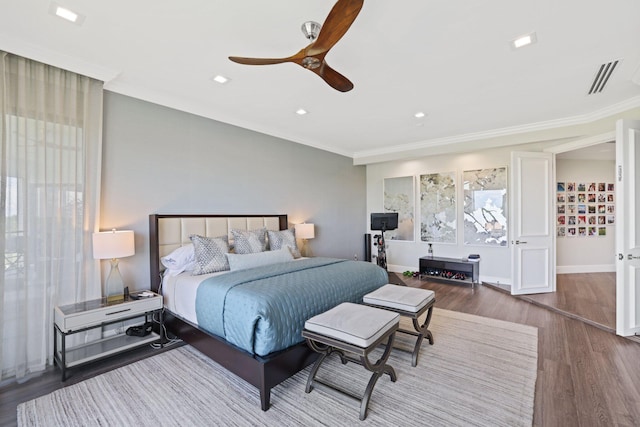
x,y
249,242
284,238
210,254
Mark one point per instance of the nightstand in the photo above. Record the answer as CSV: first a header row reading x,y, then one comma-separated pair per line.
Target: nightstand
x,y
84,316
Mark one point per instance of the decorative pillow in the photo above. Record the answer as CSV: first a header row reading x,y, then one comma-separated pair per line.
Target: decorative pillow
x,y
210,254
249,242
244,261
284,238
181,259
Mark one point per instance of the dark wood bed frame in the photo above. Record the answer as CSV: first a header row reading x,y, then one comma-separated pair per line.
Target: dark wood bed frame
x,y
264,373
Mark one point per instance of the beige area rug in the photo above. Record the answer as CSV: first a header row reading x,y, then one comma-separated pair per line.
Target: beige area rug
x,y
480,371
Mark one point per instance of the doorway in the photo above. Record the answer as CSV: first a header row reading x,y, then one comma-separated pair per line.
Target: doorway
x,y
585,239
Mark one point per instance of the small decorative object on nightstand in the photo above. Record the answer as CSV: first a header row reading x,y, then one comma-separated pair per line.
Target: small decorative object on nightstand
x,y
84,316
113,245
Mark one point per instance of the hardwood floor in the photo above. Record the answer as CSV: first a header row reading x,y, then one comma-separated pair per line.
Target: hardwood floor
x,y
586,375
589,296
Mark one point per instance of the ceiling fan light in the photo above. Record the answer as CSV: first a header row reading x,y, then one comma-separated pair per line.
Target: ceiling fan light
x,y
301,111
311,29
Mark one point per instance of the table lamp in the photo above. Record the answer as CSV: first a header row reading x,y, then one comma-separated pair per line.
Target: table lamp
x,y
305,232
113,245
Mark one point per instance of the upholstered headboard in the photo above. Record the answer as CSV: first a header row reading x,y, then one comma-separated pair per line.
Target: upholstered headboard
x,y
169,232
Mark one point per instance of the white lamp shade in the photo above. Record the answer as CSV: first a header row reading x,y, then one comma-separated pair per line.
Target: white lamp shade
x,y
305,231
113,244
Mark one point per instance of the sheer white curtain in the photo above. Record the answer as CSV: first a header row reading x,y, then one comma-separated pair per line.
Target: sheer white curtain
x,y
50,157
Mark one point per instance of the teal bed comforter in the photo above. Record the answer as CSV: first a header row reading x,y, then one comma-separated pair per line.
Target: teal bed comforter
x,y
263,309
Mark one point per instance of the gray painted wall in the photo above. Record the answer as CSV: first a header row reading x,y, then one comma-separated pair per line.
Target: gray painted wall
x,y
160,160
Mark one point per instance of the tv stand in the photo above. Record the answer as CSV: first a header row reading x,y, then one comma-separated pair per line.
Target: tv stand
x,y
453,270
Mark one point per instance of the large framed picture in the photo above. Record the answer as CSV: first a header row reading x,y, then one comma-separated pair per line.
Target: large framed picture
x,y
438,214
486,206
399,195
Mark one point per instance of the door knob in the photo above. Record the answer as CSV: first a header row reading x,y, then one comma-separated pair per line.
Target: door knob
x,y
632,257
519,242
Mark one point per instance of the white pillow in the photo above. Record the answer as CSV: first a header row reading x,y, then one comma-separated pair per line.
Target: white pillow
x,y
181,259
245,261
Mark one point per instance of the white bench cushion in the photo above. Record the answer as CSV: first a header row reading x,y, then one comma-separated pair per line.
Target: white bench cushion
x,y
400,297
355,324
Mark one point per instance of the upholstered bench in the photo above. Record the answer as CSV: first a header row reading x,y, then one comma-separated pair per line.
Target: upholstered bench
x,y
352,330
409,302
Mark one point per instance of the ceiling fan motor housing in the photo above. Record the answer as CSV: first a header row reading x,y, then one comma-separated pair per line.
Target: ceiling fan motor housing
x,y
311,29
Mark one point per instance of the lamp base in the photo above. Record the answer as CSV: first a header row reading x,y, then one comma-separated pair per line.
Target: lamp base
x,y
305,252
114,286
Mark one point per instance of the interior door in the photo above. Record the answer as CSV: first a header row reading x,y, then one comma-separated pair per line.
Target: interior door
x,y
533,259
628,227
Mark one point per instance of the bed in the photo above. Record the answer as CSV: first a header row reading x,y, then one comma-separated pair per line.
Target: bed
x,y
263,344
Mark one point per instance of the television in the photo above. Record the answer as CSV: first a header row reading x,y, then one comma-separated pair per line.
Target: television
x,y
384,221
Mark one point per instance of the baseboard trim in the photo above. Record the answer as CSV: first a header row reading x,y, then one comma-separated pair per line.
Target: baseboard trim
x,y
573,269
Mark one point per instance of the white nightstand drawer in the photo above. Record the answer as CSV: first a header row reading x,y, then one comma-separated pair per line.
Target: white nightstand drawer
x,y
70,319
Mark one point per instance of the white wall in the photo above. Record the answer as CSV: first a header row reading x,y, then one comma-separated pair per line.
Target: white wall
x,y
160,160
586,254
495,263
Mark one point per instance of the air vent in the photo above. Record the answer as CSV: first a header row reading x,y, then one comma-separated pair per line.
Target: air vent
x,y
602,77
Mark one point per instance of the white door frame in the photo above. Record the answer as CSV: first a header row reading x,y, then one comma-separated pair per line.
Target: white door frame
x,y
628,228
556,149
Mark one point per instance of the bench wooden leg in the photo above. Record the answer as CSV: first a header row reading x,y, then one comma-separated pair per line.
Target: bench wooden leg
x,y
421,331
378,368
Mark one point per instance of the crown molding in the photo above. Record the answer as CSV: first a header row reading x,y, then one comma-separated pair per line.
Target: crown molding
x,y
50,57
393,152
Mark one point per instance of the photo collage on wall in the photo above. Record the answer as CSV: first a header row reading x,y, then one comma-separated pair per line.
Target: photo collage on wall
x,y
585,209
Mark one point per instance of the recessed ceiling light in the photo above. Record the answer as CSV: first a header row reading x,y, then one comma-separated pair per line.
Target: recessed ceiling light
x,y
66,14
524,40
301,111
220,79
419,115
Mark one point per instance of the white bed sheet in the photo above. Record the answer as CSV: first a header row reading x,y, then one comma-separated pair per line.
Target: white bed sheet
x,y
180,293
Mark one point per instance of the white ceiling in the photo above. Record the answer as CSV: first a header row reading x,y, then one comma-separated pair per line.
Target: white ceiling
x,y
449,59
604,151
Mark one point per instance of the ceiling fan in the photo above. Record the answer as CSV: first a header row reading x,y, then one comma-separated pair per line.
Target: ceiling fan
x,y
340,18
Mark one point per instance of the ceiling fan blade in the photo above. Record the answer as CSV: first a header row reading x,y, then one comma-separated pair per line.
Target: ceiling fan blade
x,y
258,61
342,15
333,78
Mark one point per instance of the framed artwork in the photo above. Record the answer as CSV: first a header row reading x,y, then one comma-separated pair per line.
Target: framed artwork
x,y
438,214
485,206
588,205
399,197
